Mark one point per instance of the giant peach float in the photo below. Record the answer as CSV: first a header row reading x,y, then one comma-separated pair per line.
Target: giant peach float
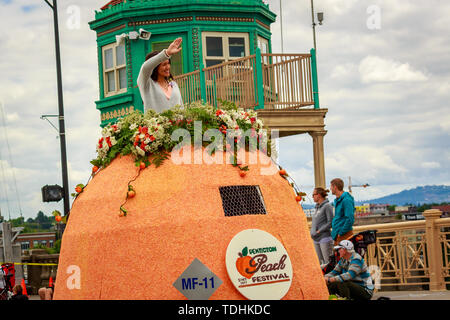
x,y
176,216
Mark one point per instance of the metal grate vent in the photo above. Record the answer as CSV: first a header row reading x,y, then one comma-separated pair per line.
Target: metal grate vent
x,y
240,200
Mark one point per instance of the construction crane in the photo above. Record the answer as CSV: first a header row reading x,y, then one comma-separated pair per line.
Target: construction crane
x,y
350,186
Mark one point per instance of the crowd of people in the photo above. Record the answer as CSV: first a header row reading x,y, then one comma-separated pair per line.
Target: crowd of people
x,y
331,232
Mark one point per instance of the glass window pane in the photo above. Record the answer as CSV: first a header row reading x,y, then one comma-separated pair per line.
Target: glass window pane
x,y
210,63
120,55
176,62
109,63
214,46
237,47
122,78
111,83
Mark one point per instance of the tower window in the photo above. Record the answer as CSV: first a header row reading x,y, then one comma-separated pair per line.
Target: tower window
x,y
114,69
221,47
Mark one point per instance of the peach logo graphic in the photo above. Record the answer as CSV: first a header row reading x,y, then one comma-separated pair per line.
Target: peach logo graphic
x,y
244,264
258,265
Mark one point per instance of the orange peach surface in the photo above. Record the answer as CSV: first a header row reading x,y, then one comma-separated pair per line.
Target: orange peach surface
x,y
175,217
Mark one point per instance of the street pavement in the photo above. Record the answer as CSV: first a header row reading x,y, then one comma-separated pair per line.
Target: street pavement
x,y
393,295
413,295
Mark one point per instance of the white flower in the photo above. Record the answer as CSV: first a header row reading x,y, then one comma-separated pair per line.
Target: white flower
x,y
140,151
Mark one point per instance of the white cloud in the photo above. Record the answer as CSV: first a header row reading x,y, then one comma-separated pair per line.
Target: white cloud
x,y
374,69
431,165
363,163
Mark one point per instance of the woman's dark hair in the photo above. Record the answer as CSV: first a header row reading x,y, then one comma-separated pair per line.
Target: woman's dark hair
x,y
323,192
154,74
18,289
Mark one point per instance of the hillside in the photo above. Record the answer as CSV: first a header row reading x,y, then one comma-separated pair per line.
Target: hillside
x,y
419,195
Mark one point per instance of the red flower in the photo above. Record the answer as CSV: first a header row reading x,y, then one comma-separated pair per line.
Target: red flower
x,y
142,146
152,138
252,120
100,143
219,112
108,141
144,130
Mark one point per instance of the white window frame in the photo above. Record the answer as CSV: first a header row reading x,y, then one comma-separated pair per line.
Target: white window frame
x,y
226,52
114,69
264,43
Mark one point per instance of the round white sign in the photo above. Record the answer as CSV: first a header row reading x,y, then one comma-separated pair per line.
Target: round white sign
x,y
258,265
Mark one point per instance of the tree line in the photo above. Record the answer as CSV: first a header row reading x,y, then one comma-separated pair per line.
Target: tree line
x,y
41,223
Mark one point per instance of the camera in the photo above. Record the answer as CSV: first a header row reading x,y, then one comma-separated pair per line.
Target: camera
x,y
144,35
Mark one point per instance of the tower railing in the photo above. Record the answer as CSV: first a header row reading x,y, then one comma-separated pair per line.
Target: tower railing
x,y
259,81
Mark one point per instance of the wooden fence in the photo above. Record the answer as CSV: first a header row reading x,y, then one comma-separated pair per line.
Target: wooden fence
x,y
269,81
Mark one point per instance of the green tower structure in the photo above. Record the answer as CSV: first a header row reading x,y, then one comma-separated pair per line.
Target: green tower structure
x,y
213,32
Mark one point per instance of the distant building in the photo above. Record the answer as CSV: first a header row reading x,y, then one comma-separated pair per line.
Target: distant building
x,y
401,208
31,240
412,216
309,212
363,210
380,209
445,210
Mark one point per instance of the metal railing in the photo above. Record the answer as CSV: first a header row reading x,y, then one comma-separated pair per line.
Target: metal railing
x,y
415,253
259,81
189,84
287,81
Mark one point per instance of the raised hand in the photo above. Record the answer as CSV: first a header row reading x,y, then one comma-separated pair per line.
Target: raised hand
x,y
174,47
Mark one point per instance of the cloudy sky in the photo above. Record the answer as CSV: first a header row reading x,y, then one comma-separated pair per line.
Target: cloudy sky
x,y
384,73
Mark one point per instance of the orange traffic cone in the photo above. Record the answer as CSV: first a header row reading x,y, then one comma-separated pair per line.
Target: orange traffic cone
x,y
24,287
50,282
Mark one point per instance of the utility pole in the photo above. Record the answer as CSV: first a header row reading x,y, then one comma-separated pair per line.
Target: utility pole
x,y
7,241
313,24
62,133
281,26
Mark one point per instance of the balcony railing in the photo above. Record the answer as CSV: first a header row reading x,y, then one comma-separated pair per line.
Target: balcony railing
x,y
415,253
259,81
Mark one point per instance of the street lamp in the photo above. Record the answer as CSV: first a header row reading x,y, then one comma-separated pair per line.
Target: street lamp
x,y
319,17
62,133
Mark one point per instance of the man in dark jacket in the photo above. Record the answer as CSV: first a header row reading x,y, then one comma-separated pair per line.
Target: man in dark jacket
x,y
344,212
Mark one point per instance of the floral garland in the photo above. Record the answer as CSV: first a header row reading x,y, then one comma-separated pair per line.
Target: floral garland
x,y
148,136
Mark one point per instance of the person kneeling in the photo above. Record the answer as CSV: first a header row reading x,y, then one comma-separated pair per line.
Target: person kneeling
x,y
350,278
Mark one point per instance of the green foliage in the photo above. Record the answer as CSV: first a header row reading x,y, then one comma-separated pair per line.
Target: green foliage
x,y
41,223
56,247
148,137
428,206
